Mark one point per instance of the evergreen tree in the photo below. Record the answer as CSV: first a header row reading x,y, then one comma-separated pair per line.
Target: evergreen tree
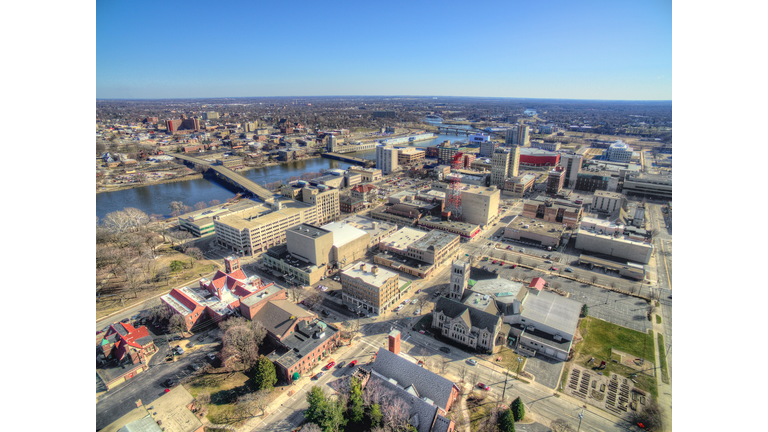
x,y
375,415
356,408
506,421
518,409
317,405
334,418
264,375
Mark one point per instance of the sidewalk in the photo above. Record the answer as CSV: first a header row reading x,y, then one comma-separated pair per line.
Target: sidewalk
x,y
665,390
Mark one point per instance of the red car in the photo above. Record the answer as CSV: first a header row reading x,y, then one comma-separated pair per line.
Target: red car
x,y
330,365
508,247
352,363
494,262
501,263
483,386
553,268
514,265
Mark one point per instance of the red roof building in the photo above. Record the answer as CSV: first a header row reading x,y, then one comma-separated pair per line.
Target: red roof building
x,y
215,299
537,283
122,353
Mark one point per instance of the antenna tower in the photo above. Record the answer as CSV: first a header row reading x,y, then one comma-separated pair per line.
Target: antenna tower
x,y
453,197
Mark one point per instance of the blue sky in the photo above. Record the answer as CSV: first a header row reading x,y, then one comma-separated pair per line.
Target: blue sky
x,y
543,49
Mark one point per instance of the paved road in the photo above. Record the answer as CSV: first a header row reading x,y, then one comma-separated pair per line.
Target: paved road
x,y
146,386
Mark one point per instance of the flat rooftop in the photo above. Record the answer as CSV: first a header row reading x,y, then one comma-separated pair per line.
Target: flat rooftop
x,y
308,231
606,194
435,240
280,252
262,214
343,232
552,310
461,226
302,341
367,276
372,226
481,190
536,226
402,238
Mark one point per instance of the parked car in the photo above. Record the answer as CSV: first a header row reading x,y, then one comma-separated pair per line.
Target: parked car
x,y
330,365
483,386
352,363
569,270
472,362
341,364
418,311
179,350
201,338
194,367
168,383
553,268
176,338
421,331
125,320
190,345
319,374
445,349
211,356
548,261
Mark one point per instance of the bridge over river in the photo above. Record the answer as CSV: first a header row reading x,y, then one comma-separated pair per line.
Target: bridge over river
x,y
230,176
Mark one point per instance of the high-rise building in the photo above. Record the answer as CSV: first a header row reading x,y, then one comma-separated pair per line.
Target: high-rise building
x,y
480,204
618,152
386,159
505,163
445,155
518,135
326,201
572,165
332,144
487,148
555,180
459,279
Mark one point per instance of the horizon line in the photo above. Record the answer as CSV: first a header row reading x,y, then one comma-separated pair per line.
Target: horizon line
x,y
389,96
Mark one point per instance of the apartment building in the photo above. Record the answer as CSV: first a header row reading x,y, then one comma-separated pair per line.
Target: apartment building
x,y
325,199
386,159
369,288
410,156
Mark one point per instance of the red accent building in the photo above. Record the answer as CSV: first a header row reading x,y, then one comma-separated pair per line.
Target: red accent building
x,y
534,157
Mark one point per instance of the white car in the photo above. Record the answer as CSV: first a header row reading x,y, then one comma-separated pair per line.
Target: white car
x,y
418,311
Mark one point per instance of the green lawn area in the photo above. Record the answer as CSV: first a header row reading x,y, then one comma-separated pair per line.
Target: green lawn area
x,y
663,360
478,411
224,389
658,319
600,336
509,358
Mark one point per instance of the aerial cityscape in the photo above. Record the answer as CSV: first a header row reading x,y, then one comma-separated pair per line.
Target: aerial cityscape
x,y
319,242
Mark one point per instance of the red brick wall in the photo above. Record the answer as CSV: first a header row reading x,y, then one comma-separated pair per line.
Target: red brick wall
x,y
250,312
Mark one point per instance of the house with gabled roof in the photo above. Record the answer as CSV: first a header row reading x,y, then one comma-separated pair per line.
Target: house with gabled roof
x,y
122,353
222,295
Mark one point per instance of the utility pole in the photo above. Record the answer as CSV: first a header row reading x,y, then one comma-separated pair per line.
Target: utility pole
x,y
581,416
505,385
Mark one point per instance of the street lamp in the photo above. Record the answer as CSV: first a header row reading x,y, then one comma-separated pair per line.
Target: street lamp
x,y
581,416
519,362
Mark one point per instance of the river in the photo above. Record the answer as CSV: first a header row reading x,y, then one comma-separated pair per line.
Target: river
x,y
154,199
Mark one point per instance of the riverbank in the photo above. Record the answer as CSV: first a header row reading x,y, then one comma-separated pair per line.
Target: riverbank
x,y
115,188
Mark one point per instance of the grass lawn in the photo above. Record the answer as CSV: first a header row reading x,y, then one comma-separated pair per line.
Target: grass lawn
x,y
663,360
479,410
658,319
600,336
224,389
509,358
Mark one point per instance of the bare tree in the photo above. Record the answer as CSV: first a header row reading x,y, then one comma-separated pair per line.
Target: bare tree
x,y
394,413
200,205
194,252
312,299
135,280
117,222
176,207
463,372
311,427
214,202
593,279
253,403
560,425
177,324
444,365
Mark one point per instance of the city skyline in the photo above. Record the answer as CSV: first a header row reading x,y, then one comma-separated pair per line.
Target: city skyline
x,y
555,50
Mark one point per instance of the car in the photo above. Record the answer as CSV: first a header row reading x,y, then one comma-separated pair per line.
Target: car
x,y
483,386
509,247
341,364
194,367
548,261
168,383
418,311
352,363
190,345
553,268
418,291
513,266
201,338
176,338
330,365
319,374
211,356
125,320
472,362
494,262
421,331
501,263
569,270
179,350
99,331
325,312
445,349
522,250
